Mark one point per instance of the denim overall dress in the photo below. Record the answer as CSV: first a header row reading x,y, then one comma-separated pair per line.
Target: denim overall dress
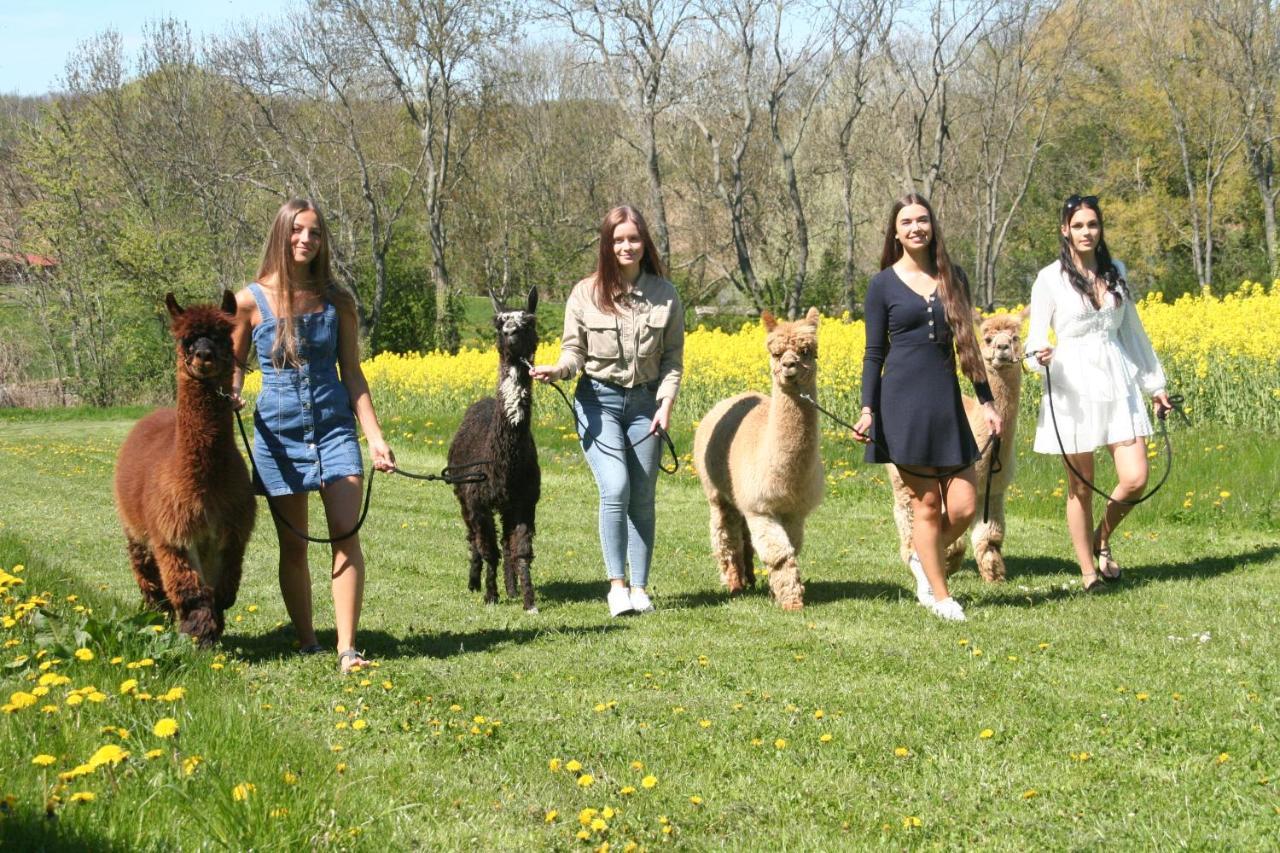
x,y
304,431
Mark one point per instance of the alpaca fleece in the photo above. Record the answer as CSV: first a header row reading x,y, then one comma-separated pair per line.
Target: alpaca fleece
x,y
181,486
758,460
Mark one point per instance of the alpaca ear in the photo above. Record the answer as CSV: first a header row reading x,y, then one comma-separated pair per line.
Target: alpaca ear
x,y
175,310
770,322
228,303
812,317
531,306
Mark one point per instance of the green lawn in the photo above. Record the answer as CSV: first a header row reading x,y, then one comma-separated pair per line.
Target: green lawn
x,y
1143,718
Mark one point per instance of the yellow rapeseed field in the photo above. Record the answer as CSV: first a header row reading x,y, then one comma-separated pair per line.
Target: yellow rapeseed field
x,y
1220,352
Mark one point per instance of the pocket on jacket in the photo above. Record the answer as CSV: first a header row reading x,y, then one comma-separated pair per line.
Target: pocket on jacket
x,y
602,335
654,327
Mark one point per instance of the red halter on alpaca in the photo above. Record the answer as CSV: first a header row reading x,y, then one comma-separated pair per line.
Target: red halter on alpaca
x,y
182,489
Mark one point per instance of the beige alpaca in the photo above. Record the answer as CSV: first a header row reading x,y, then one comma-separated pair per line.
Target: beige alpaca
x,y
1000,339
758,461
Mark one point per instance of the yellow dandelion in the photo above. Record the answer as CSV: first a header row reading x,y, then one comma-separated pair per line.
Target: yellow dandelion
x,y
573,765
190,764
553,765
290,778
165,727
550,816
83,654
43,760
342,767
901,751
586,780
1029,793
627,790
986,734
582,834
780,743
825,737
696,800
911,822
243,791
706,724
1224,757
637,765
1142,697
129,685
599,824
153,754
1224,494
649,781
82,797
359,724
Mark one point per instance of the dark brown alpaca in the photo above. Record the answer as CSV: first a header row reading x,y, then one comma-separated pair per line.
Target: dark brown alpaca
x,y
182,489
497,430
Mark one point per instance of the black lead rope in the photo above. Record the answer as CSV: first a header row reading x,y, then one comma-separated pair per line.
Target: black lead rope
x,y
1175,403
993,444
452,475
628,445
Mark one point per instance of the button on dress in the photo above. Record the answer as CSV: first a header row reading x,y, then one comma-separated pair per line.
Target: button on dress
x,y
304,431
909,379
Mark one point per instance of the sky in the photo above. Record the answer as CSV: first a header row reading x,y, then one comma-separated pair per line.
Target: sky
x,y
38,35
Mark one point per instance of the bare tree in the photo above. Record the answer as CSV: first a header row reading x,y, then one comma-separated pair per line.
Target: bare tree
x,y
868,24
433,55
1199,110
633,41
1245,53
924,68
1018,70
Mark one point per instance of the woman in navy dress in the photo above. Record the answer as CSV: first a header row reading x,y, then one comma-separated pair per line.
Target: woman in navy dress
x,y
918,319
305,329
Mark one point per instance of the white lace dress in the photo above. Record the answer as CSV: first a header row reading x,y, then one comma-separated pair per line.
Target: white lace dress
x,y
1102,365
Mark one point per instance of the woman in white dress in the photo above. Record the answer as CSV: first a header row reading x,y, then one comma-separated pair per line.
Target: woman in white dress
x,y
1101,368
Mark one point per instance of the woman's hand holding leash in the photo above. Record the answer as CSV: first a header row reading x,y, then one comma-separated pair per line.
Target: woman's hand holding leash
x,y
380,453
1163,404
662,417
994,425
542,372
862,429
1044,356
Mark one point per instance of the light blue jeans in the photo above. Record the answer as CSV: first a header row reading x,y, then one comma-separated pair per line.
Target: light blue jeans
x,y
626,479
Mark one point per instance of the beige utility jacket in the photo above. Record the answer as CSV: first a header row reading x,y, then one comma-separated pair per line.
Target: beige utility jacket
x,y
642,343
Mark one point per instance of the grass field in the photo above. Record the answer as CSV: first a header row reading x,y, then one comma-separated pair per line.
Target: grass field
x,y
1143,718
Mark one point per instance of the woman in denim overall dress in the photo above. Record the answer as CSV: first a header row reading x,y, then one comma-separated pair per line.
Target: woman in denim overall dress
x,y
624,329
306,332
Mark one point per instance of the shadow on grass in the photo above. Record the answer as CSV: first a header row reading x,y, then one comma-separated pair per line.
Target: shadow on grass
x,y
1134,576
26,831
277,644
571,591
815,592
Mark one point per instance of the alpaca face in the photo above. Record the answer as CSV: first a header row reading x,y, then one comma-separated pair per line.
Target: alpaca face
x,y
793,350
1001,338
203,333
517,329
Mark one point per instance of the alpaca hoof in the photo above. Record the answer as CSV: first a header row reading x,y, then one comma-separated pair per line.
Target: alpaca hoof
x,y
474,586
992,569
532,611
791,606
202,626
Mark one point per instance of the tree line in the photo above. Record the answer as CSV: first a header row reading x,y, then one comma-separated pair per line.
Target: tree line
x,y
459,146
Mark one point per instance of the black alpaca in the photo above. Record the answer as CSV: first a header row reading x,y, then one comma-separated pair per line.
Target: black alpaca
x,y
497,430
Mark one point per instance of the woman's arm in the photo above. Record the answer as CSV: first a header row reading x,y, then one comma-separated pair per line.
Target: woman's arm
x,y
671,368
1042,305
358,387
241,337
573,341
876,317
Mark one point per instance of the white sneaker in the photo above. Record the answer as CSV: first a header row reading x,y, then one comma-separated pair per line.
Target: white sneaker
x,y
949,609
924,590
640,601
619,601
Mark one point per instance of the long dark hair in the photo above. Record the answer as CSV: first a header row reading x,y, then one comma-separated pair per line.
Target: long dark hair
x,y
608,276
1107,269
952,284
277,263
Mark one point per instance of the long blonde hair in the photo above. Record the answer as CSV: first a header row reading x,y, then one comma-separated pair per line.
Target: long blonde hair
x,y
277,265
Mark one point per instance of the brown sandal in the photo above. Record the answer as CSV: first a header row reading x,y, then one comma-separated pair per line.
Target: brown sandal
x,y
1097,584
350,660
1105,561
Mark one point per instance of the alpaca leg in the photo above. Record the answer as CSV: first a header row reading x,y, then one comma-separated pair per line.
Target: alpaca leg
x,y
192,601
748,559
988,542
901,514
228,585
955,556
727,540
519,547
485,541
770,539
469,519
147,574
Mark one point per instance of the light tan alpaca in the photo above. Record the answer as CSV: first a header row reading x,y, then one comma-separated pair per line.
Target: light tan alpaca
x,y
758,460
1000,339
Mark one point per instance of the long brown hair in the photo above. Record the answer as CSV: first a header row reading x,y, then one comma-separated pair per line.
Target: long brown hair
x,y
952,284
608,276
277,264
1107,269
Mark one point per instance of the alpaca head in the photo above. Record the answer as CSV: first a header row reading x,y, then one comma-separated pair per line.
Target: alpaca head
x,y
517,328
793,351
1000,337
203,335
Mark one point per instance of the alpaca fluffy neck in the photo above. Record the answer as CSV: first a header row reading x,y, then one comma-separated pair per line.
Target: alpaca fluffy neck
x,y
792,432
515,397
203,423
1006,387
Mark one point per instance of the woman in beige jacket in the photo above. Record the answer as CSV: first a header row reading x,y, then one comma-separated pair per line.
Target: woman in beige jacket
x,y
624,330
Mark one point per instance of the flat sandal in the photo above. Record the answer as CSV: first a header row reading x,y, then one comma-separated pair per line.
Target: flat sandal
x,y
1105,561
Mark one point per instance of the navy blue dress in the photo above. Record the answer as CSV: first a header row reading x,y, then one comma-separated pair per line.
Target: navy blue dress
x,y
909,379
304,432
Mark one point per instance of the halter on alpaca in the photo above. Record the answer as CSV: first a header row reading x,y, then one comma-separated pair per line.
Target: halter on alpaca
x,y
182,489
498,429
